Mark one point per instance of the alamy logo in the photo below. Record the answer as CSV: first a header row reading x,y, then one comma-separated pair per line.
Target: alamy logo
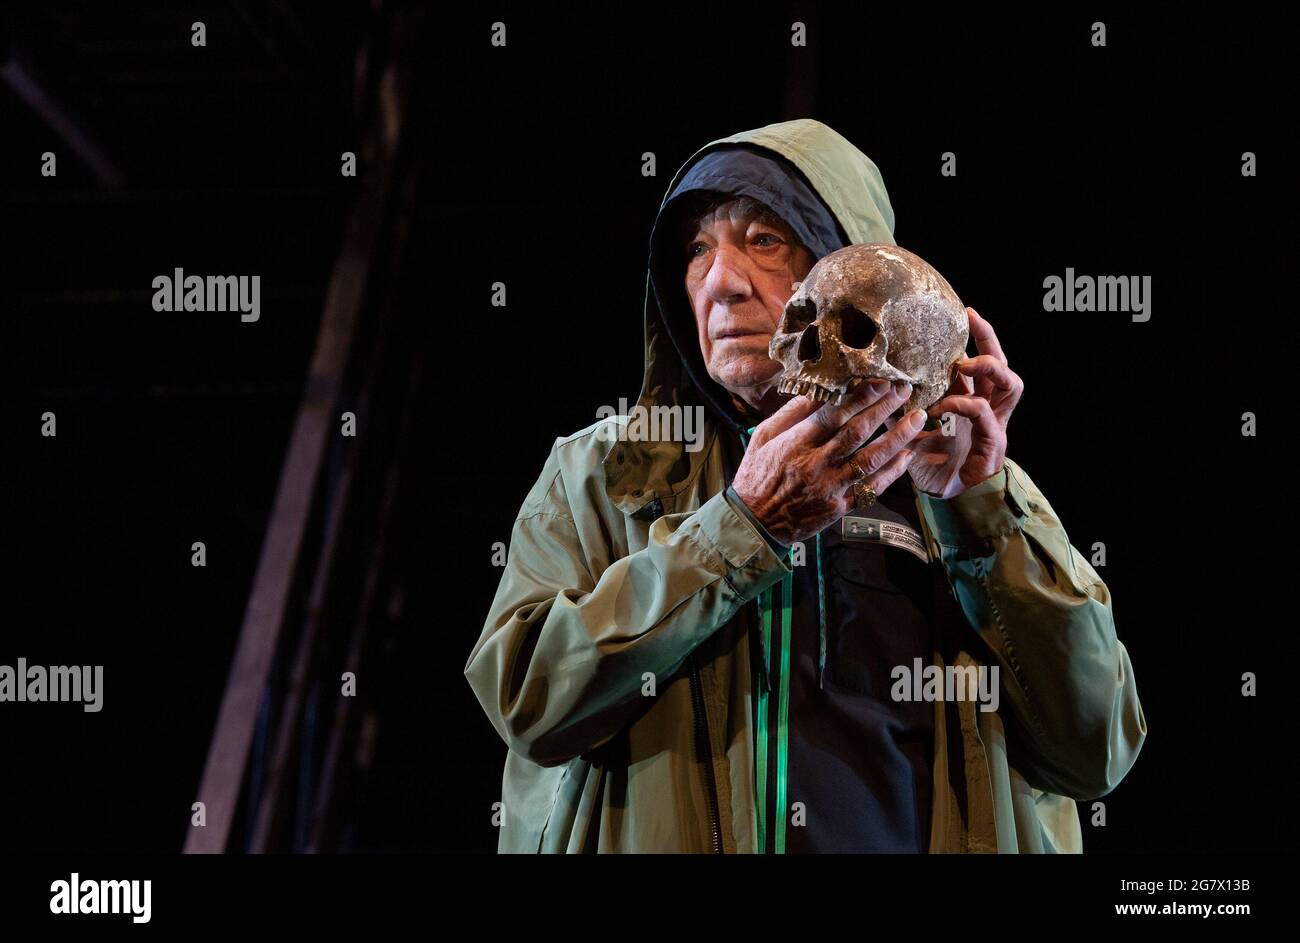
x,y
181,292
24,682
102,897
920,682
1100,293
654,424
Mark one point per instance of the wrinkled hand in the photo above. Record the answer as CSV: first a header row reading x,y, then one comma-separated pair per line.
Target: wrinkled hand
x,y
796,477
983,393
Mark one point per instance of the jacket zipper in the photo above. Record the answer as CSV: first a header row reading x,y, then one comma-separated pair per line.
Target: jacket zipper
x,y
705,750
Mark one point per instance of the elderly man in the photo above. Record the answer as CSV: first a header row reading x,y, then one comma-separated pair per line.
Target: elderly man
x,y
701,649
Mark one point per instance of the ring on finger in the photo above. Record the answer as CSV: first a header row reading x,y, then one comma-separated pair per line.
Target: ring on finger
x,y
863,494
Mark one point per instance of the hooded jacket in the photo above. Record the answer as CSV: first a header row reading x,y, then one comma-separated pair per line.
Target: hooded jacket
x,y
617,666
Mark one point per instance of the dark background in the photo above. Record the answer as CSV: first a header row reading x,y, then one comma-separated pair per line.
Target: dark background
x,y
172,427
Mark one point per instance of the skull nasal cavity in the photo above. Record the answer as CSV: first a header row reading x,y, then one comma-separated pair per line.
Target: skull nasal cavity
x,y
799,315
856,329
810,350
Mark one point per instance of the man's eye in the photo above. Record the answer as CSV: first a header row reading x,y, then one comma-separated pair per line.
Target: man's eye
x,y
692,250
776,240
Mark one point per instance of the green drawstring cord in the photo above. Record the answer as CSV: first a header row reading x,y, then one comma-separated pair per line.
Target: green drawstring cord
x,y
765,606
783,713
760,748
762,735
764,692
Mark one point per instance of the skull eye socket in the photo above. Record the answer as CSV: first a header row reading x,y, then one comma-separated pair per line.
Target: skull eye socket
x,y
857,330
798,315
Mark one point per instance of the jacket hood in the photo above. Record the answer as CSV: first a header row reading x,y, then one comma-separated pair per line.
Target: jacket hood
x,y
826,189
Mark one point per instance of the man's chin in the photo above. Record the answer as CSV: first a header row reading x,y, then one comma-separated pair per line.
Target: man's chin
x,y
748,373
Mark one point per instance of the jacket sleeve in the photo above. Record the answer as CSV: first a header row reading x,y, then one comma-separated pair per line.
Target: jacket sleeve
x,y
571,636
1075,723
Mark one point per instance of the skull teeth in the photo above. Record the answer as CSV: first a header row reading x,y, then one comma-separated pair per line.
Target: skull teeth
x,y
810,389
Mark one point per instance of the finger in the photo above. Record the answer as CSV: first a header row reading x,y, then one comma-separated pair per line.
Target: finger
x,y
879,451
998,383
871,458
960,383
826,421
986,341
858,430
882,479
892,471
789,415
984,423
989,368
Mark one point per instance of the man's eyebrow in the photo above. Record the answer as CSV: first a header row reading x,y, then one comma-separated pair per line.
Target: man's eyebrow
x,y
696,212
771,219
691,228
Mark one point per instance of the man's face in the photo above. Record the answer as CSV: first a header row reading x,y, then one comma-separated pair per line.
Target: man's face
x,y
740,271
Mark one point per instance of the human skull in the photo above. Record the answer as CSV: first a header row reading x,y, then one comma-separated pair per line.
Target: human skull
x,y
868,311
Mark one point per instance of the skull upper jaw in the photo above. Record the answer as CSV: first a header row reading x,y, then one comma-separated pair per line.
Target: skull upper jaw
x,y
922,396
837,369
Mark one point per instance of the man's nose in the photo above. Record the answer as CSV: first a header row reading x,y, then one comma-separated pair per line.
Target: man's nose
x,y
728,281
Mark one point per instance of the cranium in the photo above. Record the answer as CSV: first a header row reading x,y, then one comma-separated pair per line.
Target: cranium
x,y
867,311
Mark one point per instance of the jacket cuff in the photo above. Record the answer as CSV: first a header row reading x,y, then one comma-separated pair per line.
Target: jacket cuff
x,y
993,508
752,564
735,501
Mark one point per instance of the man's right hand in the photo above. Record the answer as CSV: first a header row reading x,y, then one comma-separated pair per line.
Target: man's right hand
x,y
796,478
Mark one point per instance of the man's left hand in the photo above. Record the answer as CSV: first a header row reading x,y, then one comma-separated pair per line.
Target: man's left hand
x,y
981,397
